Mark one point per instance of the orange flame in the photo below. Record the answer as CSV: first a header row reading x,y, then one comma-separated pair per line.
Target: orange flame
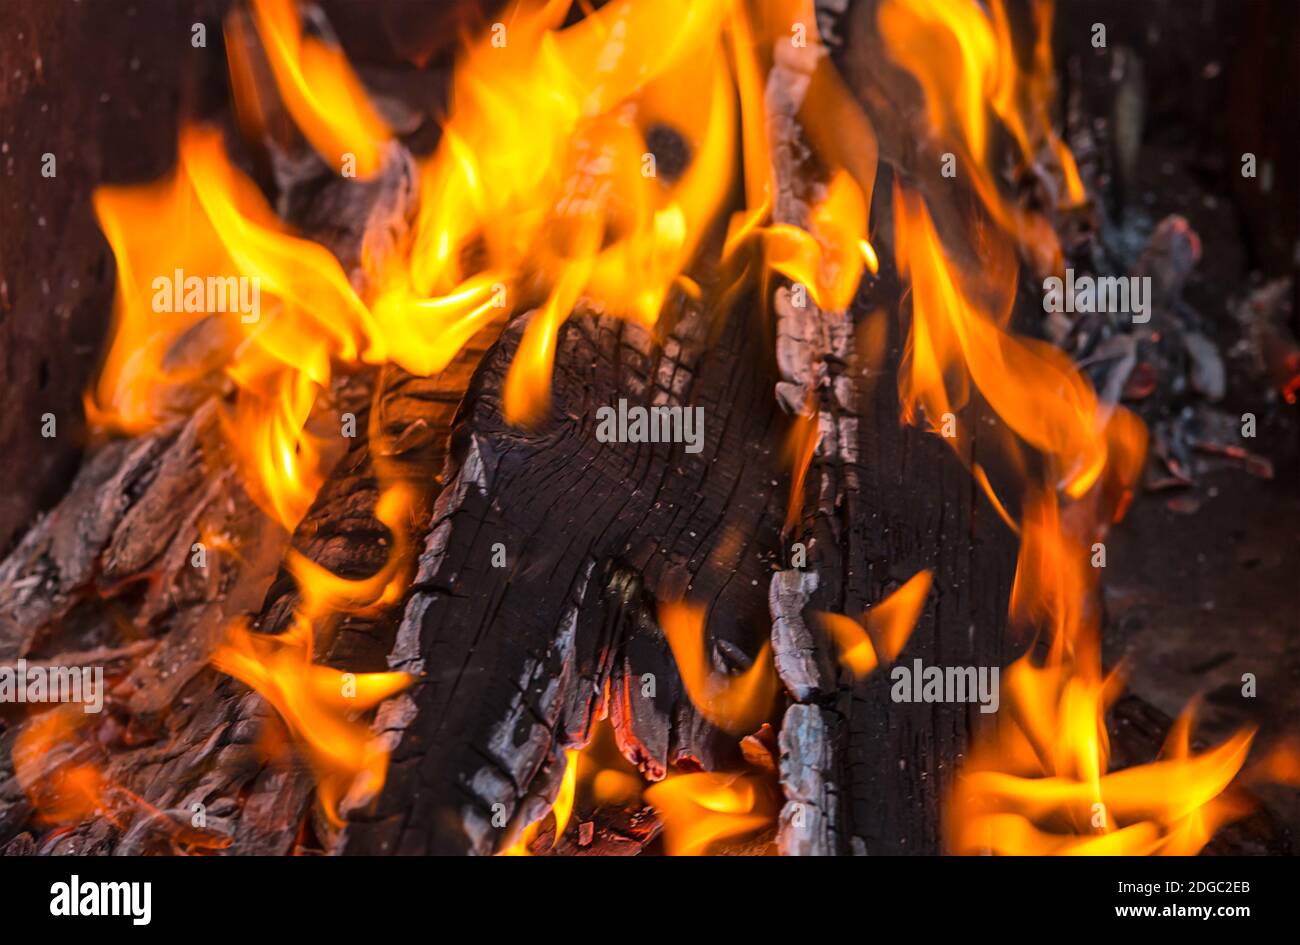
x,y
1038,93
957,340
320,704
701,809
562,809
735,704
1041,784
965,61
800,447
544,194
319,90
325,592
889,622
317,703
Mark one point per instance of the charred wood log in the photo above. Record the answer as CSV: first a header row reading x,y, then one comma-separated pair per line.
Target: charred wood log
x,y
176,732
157,548
861,773
518,659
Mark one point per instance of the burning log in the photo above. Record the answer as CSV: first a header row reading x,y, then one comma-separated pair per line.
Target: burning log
x,y
161,537
580,579
520,656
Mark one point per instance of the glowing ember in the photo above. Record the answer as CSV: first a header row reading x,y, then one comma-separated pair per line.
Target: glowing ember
x,y
61,794
51,756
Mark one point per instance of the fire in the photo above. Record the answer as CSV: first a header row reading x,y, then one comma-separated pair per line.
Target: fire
x,y
562,809
735,704
320,704
703,808
325,592
889,623
1039,93
55,765
964,59
544,197
317,703
542,193
544,167
800,447
1041,783
209,219
696,810
958,339
317,85
830,259
545,172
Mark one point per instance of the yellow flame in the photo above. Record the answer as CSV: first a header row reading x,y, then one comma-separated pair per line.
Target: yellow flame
x,y
735,704
889,624
319,90
701,809
545,172
281,310
965,61
828,261
317,703
562,809
542,192
325,592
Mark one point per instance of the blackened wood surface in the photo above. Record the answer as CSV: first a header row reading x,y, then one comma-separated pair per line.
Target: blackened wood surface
x,y
593,533
908,505
515,657
205,744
